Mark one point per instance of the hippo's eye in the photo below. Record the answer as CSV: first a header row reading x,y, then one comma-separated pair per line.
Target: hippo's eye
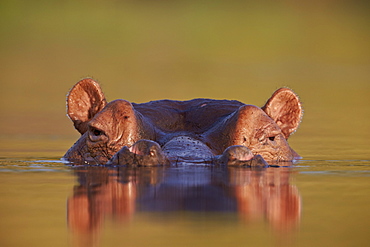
x,y
272,138
96,132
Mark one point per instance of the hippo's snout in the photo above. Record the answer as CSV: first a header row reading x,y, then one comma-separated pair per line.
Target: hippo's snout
x,y
142,153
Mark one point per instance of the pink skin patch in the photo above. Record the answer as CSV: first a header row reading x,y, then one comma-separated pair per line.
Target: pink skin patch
x,y
135,150
247,157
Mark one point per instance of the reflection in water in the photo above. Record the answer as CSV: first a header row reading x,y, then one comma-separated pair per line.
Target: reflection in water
x,y
254,194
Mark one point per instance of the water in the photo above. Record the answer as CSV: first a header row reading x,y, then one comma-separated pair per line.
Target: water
x,y
313,203
237,50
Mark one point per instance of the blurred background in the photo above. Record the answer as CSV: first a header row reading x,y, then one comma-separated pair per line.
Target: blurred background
x,y
143,50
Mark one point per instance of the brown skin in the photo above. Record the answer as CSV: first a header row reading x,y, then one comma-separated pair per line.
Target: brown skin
x,y
239,155
142,153
202,127
183,149
251,127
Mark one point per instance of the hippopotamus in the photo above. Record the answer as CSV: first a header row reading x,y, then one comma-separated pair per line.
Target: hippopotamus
x,y
164,132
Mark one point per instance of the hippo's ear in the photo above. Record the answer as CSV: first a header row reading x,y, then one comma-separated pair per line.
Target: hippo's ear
x,y
84,101
285,109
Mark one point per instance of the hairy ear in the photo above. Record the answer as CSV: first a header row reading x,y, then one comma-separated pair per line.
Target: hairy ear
x,y
285,109
84,101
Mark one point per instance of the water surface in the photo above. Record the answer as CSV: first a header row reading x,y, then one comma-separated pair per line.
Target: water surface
x,y
313,203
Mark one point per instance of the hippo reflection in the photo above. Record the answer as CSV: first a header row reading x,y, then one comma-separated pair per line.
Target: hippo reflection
x,y
166,131
253,194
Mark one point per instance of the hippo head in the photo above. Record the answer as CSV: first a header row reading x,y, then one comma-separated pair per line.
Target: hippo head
x,y
266,130
105,127
281,117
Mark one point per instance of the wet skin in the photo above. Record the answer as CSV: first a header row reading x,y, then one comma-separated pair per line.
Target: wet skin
x,y
149,153
166,131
